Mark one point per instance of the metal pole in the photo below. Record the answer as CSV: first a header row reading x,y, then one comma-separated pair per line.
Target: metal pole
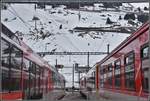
x,y
73,78
149,53
56,62
79,78
108,48
0,53
97,80
88,60
79,11
35,25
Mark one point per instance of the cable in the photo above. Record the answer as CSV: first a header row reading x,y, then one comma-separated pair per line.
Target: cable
x,y
16,14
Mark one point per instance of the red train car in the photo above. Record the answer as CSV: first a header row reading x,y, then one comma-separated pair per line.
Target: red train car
x,y
123,74
25,75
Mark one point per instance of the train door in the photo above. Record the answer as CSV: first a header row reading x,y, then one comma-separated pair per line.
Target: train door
x,y
46,81
38,82
145,68
26,78
32,80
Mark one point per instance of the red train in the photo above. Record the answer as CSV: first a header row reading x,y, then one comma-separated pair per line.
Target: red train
x,y
123,74
25,75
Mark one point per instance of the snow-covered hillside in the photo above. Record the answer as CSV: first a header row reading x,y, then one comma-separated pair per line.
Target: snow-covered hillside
x,y
54,30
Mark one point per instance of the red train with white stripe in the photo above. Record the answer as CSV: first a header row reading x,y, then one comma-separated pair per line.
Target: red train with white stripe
x,y
25,75
124,73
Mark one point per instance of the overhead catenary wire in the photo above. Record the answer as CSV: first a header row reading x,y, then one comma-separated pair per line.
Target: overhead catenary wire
x,y
16,14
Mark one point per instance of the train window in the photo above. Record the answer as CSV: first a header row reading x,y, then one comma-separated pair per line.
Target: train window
x,y
33,68
117,64
26,68
129,81
117,80
145,55
15,80
32,78
129,71
5,65
129,61
117,73
16,57
10,62
104,70
129,58
144,51
16,63
101,71
5,54
110,67
26,65
145,80
105,76
37,79
102,76
109,76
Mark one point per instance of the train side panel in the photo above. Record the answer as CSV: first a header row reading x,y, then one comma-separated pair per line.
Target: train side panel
x,y
25,75
129,75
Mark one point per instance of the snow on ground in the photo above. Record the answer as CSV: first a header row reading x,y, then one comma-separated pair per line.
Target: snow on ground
x,y
141,5
58,24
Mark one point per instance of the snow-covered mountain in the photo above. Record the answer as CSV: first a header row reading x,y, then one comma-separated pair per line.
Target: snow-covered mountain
x,y
51,29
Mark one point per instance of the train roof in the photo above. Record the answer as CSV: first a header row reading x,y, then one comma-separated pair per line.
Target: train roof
x,y
34,57
140,30
8,35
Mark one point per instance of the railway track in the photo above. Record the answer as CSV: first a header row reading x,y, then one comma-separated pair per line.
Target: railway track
x,y
75,96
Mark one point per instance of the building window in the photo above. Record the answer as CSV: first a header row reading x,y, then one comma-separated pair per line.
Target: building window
x,y
117,73
129,71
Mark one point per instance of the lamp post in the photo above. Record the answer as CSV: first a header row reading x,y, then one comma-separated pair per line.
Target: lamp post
x,y
73,75
46,46
79,15
35,19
